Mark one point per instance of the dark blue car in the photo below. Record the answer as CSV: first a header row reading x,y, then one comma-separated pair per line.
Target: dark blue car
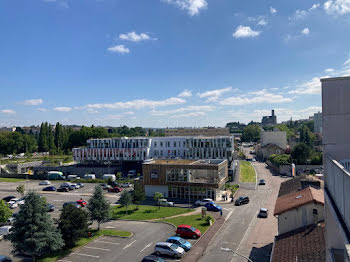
x,y
49,188
213,207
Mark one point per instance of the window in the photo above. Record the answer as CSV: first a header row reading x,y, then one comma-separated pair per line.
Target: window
x,y
315,211
175,144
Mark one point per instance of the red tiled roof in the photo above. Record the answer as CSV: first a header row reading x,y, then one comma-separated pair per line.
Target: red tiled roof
x,y
299,183
303,244
297,199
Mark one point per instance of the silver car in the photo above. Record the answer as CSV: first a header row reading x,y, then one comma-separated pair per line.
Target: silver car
x,y
263,212
170,249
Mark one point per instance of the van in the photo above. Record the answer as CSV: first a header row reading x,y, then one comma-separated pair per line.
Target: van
x,y
109,176
55,175
72,177
90,176
5,230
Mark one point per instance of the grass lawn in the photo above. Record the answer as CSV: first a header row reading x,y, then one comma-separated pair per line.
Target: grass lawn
x,y
95,234
147,212
247,172
194,220
4,179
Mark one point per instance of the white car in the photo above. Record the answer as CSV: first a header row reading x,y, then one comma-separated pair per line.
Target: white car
x,y
74,185
126,184
164,202
15,202
44,183
170,249
202,202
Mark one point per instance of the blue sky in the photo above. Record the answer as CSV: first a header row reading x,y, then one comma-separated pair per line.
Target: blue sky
x,y
167,63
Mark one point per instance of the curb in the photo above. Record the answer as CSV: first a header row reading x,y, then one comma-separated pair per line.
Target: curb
x,y
147,221
256,176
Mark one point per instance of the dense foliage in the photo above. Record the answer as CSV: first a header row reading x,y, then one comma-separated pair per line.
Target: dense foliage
x,y
5,211
251,133
125,200
279,160
98,206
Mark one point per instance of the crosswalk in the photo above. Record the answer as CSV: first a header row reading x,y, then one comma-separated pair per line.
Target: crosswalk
x,y
258,164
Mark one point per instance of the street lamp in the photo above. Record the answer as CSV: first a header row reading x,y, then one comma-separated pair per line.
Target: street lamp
x,y
235,253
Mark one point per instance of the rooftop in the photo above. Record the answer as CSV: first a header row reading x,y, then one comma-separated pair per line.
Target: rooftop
x,y
296,199
211,162
335,78
299,183
303,244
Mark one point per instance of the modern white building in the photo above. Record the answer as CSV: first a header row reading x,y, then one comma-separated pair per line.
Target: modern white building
x,y
143,148
278,138
318,123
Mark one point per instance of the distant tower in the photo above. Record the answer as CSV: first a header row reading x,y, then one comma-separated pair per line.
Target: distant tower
x,y
273,113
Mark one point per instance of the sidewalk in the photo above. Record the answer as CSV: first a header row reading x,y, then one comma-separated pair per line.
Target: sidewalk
x,y
198,249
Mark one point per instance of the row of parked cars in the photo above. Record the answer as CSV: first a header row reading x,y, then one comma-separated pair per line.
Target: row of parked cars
x,y
65,187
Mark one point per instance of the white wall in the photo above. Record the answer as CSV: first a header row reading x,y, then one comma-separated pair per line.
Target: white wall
x,y
151,189
278,138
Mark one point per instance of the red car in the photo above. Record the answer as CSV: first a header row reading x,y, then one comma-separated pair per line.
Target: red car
x,y
81,202
115,189
188,231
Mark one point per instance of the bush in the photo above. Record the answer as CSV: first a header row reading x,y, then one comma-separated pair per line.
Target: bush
x,y
207,219
280,160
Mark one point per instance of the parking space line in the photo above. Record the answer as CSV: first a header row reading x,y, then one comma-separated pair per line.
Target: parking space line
x,y
228,216
129,245
84,255
146,247
98,248
105,242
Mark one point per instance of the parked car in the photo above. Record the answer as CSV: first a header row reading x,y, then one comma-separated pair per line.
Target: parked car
x,y
152,258
188,231
75,204
105,186
242,200
165,248
8,198
68,185
262,182
180,242
15,202
114,189
202,202
82,202
80,184
263,212
165,202
63,189
49,188
253,160
5,230
126,185
213,207
50,207
74,186
44,183
5,259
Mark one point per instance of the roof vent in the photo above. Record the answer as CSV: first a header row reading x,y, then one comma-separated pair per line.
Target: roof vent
x,y
300,196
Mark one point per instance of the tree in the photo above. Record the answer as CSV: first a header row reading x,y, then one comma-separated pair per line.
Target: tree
x,y
125,200
98,206
5,211
251,133
20,189
301,153
73,224
33,230
139,194
157,196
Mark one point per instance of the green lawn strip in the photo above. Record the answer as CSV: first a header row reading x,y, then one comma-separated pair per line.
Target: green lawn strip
x,y
5,179
194,220
95,234
147,212
247,172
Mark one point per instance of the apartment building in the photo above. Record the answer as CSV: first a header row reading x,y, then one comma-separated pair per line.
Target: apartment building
x,y
185,179
318,123
143,148
205,131
336,162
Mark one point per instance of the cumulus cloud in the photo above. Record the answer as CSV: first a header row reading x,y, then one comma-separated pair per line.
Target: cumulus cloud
x,y
119,49
305,31
188,109
245,32
301,14
62,109
262,22
8,111
310,87
214,95
329,70
32,102
192,114
134,37
273,10
337,7
185,93
193,7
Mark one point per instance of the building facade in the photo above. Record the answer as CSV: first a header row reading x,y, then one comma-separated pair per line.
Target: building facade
x,y
318,123
336,148
205,131
185,179
143,148
269,120
278,138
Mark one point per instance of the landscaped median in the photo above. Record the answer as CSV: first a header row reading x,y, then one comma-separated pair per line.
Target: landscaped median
x,y
246,172
5,179
83,241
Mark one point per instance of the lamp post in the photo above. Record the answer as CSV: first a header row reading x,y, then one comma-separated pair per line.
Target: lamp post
x,y
225,249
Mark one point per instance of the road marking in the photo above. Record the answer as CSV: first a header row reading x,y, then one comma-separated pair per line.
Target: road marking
x,y
98,248
105,242
228,216
146,247
110,227
84,255
129,245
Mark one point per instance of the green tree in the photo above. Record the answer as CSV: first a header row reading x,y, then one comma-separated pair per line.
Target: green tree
x,y
301,153
125,200
51,140
98,206
5,211
73,224
20,189
139,194
251,133
157,196
33,230
42,141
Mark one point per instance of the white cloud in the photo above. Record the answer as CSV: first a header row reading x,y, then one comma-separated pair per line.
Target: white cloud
x,y
256,97
329,70
137,104
337,7
193,7
262,22
32,102
185,93
41,109
305,31
301,14
62,109
314,6
134,37
245,32
213,95
8,111
119,49
310,87
272,10
182,110
192,114
347,62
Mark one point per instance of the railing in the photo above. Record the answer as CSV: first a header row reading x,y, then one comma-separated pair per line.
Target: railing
x,y
337,182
